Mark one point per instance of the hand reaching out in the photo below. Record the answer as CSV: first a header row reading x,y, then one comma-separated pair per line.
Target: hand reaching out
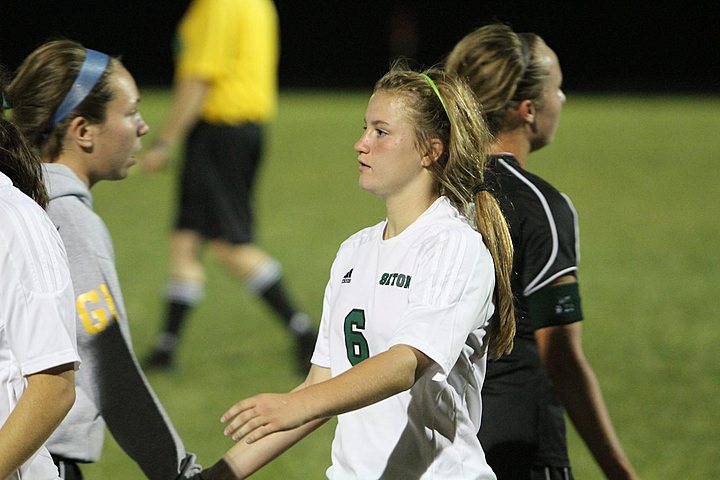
x,y
263,414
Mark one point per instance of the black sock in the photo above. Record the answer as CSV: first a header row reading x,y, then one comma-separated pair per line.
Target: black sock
x,y
277,298
175,317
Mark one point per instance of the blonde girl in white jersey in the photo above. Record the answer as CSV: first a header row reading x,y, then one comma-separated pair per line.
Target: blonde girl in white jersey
x,y
410,307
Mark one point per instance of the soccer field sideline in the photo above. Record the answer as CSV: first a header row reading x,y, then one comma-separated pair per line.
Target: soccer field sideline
x,y
639,171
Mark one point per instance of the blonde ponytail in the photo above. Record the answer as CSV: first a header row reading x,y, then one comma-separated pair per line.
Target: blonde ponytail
x,y
491,223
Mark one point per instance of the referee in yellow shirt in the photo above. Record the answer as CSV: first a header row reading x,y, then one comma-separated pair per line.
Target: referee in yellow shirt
x,y
225,93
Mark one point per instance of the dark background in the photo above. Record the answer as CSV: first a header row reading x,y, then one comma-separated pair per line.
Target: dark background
x,y
603,46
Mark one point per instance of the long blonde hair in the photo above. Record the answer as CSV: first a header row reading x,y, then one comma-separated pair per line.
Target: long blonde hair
x,y
453,115
503,69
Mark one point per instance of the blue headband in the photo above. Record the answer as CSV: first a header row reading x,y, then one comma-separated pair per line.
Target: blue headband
x,y
92,69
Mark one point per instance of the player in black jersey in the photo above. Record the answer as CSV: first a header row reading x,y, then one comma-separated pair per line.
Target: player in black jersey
x,y
518,80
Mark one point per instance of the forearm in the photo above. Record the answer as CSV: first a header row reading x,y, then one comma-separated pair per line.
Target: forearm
x,y
244,459
188,97
41,408
322,397
368,382
581,396
265,433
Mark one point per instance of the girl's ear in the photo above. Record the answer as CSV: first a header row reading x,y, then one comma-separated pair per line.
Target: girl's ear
x,y
81,132
436,150
527,111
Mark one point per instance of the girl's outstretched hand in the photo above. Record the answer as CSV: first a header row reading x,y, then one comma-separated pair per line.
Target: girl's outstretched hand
x,y
263,414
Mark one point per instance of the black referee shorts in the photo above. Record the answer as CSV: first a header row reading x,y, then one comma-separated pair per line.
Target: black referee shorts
x,y
217,181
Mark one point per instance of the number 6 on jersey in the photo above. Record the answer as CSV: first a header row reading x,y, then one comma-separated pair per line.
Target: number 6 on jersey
x,y
355,342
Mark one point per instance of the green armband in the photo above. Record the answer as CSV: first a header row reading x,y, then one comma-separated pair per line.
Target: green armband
x,y
555,305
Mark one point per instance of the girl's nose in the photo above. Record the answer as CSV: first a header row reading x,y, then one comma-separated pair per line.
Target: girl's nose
x,y
361,144
144,128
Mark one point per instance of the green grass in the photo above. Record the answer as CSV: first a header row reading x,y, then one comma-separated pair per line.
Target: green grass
x,y
642,173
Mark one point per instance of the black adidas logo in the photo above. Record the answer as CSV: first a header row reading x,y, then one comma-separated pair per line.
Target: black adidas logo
x,y
347,277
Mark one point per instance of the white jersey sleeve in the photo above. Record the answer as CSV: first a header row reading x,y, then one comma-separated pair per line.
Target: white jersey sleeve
x,y
38,307
321,355
451,296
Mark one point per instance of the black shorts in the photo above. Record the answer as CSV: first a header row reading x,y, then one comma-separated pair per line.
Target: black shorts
x,y
216,185
511,471
523,427
68,469
551,473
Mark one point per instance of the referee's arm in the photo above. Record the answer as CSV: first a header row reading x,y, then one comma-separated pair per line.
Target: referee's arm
x,y
188,97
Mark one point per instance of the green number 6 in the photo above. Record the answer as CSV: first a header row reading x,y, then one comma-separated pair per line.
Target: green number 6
x,y
355,343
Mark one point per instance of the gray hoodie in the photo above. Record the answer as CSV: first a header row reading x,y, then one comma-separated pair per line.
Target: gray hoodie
x,y
110,384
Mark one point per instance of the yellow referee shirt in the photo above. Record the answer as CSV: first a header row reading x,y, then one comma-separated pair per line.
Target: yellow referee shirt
x,y
234,45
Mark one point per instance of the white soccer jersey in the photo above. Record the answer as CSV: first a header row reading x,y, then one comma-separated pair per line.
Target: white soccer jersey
x,y
431,288
37,318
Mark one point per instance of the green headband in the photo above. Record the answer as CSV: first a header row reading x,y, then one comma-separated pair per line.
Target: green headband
x,y
437,92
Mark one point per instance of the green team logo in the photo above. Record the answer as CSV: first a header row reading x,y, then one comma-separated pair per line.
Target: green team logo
x,y
395,280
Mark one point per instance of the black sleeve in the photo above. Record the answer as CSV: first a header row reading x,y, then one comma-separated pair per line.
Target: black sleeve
x,y
549,245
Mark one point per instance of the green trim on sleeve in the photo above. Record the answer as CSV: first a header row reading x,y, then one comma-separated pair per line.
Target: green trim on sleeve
x,y
555,305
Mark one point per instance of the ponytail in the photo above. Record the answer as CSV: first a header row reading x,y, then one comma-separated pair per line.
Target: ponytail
x,y
491,224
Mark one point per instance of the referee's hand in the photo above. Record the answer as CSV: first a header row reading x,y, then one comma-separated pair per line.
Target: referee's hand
x,y
156,157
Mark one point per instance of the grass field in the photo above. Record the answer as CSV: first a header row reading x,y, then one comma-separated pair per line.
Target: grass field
x,y
642,173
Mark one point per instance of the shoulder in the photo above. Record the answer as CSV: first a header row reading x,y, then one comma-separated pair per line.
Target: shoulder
x,y
451,263
21,216
461,245
220,10
31,245
68,208
529,196
364,236
514,179
443,221
445,236
70,214
81,228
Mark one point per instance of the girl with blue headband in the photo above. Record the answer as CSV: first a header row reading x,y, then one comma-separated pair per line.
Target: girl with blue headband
x,y
79,108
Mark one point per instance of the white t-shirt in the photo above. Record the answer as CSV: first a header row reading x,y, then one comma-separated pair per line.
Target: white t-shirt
x,y
37,314
431,288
